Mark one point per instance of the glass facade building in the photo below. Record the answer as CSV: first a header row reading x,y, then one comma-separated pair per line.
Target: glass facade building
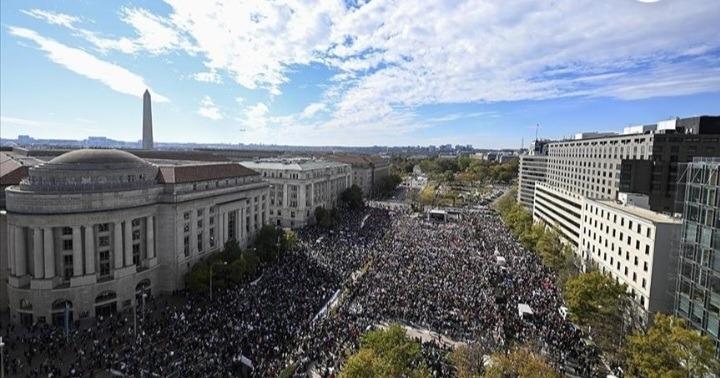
x,y
698,285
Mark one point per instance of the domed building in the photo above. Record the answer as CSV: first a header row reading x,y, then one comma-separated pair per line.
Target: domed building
x,y
91,230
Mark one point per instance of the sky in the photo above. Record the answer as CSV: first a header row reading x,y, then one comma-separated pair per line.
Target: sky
x,y
489,73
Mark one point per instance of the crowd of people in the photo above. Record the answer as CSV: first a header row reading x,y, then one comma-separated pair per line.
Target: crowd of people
x,y
447,277
375,266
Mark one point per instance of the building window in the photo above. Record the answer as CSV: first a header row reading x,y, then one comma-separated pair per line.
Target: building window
x,y
136,254
104,241
104,263
104,227
199,242
67,244
186,245
67,267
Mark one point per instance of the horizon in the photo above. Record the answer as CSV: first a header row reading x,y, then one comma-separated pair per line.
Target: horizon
x,y
343,74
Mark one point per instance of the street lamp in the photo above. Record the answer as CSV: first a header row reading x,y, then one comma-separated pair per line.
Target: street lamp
x,y
144,295
211,271
135,314
2,358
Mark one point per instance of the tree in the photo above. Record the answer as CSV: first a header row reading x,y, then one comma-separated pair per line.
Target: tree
x,y
291,239
506,202
468,360
670,349
530,237
322,217
598,302
427,195
593,294
568,269
270,243
550,249
198,278
352,197
385,353
386,185
520,362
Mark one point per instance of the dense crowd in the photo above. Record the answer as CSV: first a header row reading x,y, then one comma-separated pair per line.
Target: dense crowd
x,y
377,267
446,277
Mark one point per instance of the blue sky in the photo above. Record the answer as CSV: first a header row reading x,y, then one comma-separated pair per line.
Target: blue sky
x,y
375,73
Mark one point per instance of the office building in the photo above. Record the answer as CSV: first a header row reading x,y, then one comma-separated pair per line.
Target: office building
x,y
559,208
698,285
602,166
90,229
634,245
299,185
532,169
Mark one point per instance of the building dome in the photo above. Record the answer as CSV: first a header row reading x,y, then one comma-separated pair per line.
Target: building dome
x,y
96,156
91,170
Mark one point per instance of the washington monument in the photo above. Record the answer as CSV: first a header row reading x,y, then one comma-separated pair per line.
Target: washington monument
x,y
147,141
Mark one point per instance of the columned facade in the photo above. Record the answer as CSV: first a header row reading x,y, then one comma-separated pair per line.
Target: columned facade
x,y
94,244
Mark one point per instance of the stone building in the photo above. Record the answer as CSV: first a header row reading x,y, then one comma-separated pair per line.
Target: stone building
x,y
89,230
299,185
367,170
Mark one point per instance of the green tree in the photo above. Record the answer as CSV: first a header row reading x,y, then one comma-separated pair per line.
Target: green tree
x,y
352,197
468,360
270,243
568,269
670,349
386,353
521,363
529,237
291,239
386,185
198,278
598,302
550,249
506,202
427,195
323,217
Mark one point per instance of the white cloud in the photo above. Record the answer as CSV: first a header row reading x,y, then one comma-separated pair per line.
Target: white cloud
x,y
117,78
313,109
208,77
155,34
389,58
53,18
208,109
256,42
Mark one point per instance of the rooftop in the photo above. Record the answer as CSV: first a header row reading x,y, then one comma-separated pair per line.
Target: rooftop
x,y
639,212
96,156
294,164
173,174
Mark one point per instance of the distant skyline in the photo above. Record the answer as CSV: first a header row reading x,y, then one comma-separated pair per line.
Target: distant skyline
x,y
354,73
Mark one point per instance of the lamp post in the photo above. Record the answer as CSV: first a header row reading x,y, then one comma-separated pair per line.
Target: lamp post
x,y
211,272
144,295
2,358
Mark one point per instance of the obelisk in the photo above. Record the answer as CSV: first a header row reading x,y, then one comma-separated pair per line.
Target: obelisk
x,y
147,141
